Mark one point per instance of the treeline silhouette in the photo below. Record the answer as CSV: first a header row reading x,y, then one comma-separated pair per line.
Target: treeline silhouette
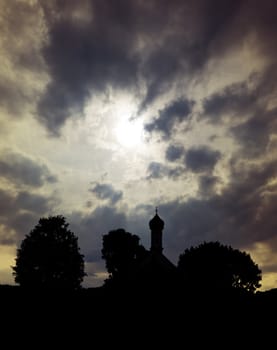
x,y
210,267
211,281
49,258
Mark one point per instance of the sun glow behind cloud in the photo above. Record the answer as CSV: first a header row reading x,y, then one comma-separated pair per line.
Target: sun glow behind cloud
x,y
128,131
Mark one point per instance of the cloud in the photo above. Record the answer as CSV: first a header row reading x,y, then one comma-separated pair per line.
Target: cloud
x,y
236,99
11,97
22,64
22,170
174,152
91,227
201,159
255,134
22,223
257,19
6,203
207,185
31,202
158,170
241,215
189,35
118,44
95,45
21,18
201,32
169,117
251,105
20,212
106,192
188,223
243,100
99,53
161,66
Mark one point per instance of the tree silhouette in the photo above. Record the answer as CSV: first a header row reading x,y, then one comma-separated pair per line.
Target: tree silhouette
x,y
49,257
121,251
212,266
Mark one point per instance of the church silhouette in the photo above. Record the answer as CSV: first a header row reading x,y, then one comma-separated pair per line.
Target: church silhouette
x,y
155,270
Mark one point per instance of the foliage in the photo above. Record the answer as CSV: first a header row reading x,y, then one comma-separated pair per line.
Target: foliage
x,y
49,257
121,251
212,265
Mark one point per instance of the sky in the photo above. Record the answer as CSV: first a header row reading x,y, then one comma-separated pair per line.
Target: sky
x,y
109,108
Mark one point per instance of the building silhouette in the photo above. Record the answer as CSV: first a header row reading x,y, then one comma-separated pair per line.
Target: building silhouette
x,y
156,270
156,225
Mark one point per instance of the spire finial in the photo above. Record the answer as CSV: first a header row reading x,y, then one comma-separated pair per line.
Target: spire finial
x,y
156,210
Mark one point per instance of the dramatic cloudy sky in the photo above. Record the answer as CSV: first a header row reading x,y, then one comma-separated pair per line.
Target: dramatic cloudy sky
x,y
109,108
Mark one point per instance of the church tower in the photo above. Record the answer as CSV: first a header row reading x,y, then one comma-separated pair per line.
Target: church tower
x,y
156,226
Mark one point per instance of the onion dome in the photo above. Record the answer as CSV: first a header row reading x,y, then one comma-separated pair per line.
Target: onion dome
x,y
156,223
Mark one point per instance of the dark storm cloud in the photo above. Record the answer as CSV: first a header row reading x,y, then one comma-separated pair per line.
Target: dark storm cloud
x,y
22,170
192,33
267,83
106,192
250,200
6,203
174,152
118,42
85,57
201,31
90,46
22,223
169,117
244,99
189,223
91,227
235,99
32,202
20,212
255,134
159,69
258,17
249,103
201,159
241,215
158,170
207,184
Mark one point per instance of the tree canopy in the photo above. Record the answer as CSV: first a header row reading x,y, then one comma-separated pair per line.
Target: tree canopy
x,y
121,251
212,265
49,257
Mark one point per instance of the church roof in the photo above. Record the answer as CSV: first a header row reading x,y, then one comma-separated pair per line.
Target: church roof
x,y
159,260
155,271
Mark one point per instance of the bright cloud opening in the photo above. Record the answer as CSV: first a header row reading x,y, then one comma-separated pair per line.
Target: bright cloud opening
x,y
129,133
128,130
